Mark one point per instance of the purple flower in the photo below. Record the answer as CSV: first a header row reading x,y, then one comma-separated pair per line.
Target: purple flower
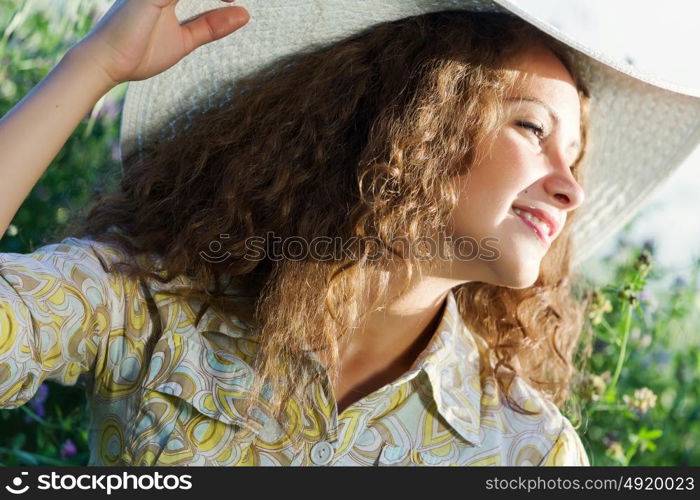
x,y
42,393
37,402
68,449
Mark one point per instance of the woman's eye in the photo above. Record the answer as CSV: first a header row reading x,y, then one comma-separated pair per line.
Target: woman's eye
x,y
536,130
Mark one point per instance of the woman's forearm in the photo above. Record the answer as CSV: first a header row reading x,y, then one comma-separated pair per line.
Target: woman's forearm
x,y
36,128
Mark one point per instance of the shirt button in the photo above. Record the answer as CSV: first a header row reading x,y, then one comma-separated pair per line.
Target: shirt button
x,y
321,453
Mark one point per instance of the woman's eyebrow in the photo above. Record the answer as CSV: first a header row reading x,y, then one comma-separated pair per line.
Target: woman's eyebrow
x,y
552,114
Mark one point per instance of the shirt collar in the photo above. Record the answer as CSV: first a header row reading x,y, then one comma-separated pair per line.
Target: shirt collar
x,y
451,362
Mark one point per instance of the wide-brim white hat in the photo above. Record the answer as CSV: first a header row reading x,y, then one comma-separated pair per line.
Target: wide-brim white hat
x,y
642,128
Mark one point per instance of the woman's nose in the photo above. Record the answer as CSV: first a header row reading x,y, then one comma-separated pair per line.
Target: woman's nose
x,y
564,189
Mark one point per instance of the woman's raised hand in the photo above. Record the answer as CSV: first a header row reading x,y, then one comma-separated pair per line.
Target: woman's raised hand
x,y
137,39
134,40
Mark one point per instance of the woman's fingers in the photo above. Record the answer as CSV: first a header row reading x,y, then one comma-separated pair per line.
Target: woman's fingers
x,y
137,39
214,24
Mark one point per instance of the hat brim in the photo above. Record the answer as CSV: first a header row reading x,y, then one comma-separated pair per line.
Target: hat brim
x,y
642,128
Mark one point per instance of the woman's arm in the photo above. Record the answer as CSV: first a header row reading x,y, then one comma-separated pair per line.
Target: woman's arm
x,y
35,130
134,40
59,309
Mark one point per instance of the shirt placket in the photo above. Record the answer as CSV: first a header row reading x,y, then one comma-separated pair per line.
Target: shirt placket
x,y
343,430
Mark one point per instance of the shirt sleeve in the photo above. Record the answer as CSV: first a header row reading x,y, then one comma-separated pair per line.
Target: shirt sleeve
x,y
567,449
57,306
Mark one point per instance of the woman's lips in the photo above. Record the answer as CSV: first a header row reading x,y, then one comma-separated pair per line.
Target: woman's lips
x,y
530,224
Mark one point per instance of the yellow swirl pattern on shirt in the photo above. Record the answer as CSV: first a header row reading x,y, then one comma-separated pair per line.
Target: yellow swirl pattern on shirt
x,y
168,392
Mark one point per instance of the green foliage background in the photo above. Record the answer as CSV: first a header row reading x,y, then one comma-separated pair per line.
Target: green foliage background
x,y
642,334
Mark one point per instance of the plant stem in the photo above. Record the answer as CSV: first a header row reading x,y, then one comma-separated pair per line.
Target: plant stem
x,y
610,330
37,457
623,348
40,420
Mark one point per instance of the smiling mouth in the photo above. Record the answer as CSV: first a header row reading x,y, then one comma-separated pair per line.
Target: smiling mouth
x,y
533,227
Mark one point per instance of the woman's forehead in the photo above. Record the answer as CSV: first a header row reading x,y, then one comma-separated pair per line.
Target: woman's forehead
x,y
538,60
540,76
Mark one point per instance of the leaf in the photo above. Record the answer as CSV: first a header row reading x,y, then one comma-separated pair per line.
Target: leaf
x,y
651,434
19,441
27,457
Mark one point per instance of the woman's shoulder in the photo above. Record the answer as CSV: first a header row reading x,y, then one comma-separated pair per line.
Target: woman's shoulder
x,y
140,309
74,266
106,259
171,308
70,251
63,309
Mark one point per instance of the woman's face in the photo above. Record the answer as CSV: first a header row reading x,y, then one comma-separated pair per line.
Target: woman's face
x,y
524,169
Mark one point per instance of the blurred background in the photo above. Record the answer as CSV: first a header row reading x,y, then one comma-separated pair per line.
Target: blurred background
x,y
638,389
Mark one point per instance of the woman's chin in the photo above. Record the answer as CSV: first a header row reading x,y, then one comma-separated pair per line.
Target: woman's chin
x,y
510,269
517,273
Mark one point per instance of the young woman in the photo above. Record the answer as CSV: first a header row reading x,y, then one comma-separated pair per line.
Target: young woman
x,y
361,256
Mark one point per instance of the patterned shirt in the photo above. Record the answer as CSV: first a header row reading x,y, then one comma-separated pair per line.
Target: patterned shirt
x,y
166,390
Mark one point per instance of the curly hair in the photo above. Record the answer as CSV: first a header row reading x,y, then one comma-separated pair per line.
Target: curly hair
x,y
362,138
